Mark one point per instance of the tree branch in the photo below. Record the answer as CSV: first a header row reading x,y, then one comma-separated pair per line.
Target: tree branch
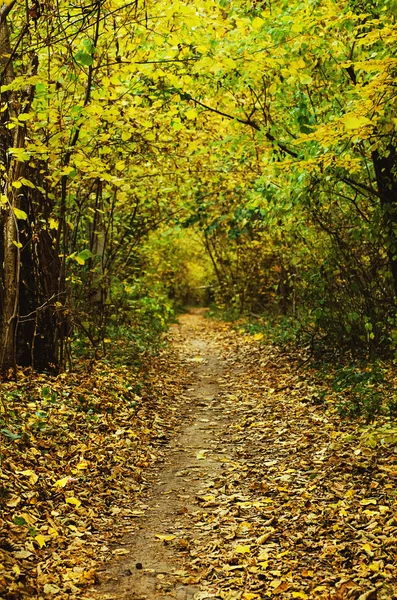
x,y
6,9
360,186
248,122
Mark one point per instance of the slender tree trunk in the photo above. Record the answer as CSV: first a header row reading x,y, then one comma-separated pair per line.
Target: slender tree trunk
x,y
9,267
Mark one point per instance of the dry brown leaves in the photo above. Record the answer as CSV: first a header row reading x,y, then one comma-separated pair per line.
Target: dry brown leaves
x,y
76,469
304,509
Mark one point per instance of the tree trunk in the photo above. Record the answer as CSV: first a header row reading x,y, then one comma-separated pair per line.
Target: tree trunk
x,y
11,196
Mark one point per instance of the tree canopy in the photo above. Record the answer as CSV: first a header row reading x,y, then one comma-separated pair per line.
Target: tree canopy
x,y
266,131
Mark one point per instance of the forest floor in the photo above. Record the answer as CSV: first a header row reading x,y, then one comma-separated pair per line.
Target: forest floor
x,y
227,478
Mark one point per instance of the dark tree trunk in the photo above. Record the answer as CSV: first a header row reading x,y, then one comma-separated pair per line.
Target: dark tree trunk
x,y
386,178
28,311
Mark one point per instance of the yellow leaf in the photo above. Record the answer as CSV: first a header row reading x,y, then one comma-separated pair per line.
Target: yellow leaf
x,y
191,114
16,184
368,501
27,182
165,538
50,589
177,125
75,501
30,519
257,23
31,474
249,596
20,214
25,116
125,136
52,532
17,244
264,564
3,199
67,170
40,540
82,465
355,122
13,501
207,497
300,595
201,454
241,549
52,223
61,482
258,336
368,549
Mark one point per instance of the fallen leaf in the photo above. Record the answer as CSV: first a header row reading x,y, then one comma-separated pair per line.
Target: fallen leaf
x,y
40,540
33,478
282,587
50,589
62,482
241,549
201,454
74,501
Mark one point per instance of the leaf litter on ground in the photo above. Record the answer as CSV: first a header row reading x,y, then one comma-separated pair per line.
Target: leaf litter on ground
x,y
304,506
74,451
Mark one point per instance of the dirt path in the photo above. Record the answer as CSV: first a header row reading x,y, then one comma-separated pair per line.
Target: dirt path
x,y
154,566
264,492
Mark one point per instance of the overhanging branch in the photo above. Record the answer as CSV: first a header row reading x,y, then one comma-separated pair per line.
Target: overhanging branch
x,y
248,122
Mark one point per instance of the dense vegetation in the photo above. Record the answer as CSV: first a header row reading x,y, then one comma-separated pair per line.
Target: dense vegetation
x,y
264,133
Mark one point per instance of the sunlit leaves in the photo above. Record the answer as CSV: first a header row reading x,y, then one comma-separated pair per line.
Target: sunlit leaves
x,y
19,214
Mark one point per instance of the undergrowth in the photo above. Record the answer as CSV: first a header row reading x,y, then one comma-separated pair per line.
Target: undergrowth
x,y
354,384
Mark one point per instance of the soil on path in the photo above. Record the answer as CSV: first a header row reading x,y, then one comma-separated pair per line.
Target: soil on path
x,y
163,537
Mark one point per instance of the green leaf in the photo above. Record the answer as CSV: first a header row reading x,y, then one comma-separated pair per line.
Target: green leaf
x,y
83,256
84,59
10,435
20,521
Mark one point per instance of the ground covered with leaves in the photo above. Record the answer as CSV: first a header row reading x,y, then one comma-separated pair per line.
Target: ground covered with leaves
x,y
308,507
74,451
282,498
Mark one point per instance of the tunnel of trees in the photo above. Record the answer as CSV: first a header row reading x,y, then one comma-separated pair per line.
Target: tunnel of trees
x,y
157,154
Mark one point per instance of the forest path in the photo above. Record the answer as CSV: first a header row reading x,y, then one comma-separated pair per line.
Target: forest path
x,y
263,492
154,568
